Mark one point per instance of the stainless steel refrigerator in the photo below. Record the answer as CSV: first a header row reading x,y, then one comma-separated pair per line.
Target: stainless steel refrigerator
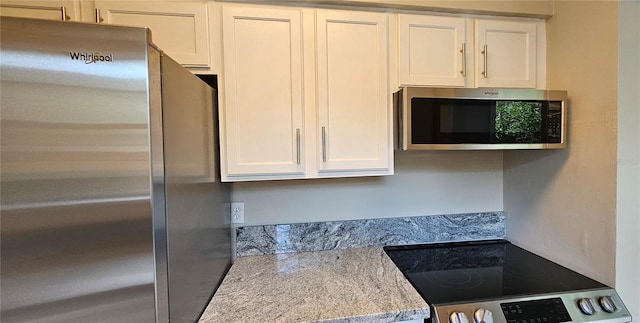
x,y
111,205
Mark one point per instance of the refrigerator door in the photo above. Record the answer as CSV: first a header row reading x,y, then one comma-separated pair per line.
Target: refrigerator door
x,y
76,235
197,203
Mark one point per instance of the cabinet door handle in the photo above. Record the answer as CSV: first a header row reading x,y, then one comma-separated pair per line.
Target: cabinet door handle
x,y
484,52
464,60
63,12
298,146
324,145
98,18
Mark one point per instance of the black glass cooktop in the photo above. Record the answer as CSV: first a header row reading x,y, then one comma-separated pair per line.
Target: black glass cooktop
x,y
475,271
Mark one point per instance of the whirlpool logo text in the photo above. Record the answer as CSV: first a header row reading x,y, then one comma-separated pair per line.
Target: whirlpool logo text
x,y
90,58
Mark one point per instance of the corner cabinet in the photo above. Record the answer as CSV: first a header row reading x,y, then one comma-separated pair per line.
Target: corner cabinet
x,y
453,51
305,94
179,28
63,10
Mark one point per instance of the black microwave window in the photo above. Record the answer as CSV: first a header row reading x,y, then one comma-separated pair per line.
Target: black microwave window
x,y
472,121
447,121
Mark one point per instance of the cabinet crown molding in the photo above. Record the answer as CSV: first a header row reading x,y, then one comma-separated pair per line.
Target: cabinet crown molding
x,y
510,8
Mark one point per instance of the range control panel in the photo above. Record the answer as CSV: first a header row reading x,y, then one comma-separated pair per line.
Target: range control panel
x,y
590,306
548,310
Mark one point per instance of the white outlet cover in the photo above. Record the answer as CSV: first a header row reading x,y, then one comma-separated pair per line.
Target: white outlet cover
x,y
237,212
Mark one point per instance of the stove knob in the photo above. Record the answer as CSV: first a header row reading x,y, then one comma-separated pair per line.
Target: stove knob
x,y
482,315
586,306
607,304
458,317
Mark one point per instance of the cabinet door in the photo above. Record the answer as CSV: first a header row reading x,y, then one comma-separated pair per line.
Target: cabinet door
x,y
432,50
263,110
53,10
353,101
505,54
179,28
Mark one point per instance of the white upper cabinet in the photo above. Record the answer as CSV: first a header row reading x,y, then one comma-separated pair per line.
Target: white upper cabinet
x,y
262,115
353,107
179,28
433,50
305,94
64,10
505,53
452,51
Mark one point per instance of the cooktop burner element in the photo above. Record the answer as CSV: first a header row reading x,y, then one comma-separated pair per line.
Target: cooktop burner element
x,y
458,279
496,281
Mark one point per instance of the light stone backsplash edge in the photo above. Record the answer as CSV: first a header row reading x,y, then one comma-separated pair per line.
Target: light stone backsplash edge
x,y
318,236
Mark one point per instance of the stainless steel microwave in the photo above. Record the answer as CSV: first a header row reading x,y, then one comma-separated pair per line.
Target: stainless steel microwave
x,y
482,118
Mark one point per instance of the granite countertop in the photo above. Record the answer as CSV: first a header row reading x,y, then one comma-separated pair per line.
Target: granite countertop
x,y
348,285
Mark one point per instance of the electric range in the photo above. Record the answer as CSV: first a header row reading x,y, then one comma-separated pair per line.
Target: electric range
x,y
496,281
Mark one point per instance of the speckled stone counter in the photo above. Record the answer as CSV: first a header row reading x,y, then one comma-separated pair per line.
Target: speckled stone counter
x,y
347,285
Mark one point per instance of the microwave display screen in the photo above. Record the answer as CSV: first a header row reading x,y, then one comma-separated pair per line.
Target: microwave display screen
x,y
468,121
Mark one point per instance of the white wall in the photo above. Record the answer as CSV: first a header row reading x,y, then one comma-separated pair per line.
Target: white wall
x,y
562,204
425,183
628,214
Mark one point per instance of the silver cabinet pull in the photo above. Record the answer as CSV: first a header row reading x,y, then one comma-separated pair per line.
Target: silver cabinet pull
x,y
63,12
464,60
484,52
98,18
324,145
298,146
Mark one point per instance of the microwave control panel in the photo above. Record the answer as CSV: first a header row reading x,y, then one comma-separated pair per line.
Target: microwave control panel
x,y
554,122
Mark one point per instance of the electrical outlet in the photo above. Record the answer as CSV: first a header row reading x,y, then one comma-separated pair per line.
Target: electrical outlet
x,y
237,212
